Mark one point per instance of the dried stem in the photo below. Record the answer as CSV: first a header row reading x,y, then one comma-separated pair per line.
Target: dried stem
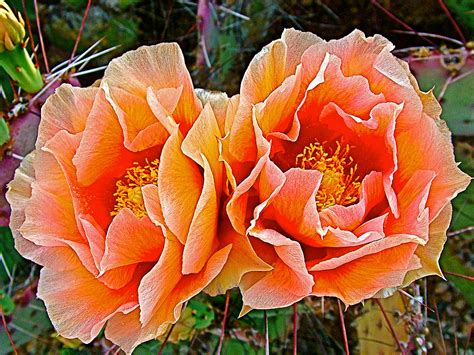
x,y
343,327
394,334
267,339
5,325
295,329
226,311
439,327
470,278
40,35
78,38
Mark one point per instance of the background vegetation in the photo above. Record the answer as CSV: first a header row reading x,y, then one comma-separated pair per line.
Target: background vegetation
x,y
433,315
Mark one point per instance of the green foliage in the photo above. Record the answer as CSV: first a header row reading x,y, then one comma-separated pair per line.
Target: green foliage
x,y
4,132
9,256
462,9
6,303
202,313
28,324
451,262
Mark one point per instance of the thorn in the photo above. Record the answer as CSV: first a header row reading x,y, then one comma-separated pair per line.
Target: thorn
x,y
470,278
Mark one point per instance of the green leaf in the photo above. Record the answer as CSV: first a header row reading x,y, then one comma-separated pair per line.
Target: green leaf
x,y
6,303
26,326
4,132
458,100
8,254
451,262
203,313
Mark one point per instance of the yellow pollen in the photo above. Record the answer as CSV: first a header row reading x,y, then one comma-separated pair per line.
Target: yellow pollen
x,y
340,184
129,188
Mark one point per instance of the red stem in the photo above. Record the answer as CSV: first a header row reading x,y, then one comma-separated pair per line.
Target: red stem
x,y
400,22
40,35
226,311
8,332
453,21
295,329
163,345
78,38
394,335
30,33
343,327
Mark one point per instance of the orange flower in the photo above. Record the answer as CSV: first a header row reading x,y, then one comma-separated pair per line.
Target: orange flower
x,y
119,201
344,171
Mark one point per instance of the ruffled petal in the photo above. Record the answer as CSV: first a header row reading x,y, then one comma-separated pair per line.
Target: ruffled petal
x,y
68,108
79,305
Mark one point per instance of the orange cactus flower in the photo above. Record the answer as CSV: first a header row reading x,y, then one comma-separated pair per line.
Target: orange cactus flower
x,y
119,201
344,171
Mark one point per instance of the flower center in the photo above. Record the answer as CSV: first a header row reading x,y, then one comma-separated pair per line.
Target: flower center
x,y
129,188
340,184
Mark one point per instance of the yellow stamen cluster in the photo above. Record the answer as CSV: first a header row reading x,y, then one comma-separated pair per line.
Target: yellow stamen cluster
x,y
340,184
129,188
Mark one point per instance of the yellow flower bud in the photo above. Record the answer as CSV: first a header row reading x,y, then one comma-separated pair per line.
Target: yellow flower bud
x,y
12,28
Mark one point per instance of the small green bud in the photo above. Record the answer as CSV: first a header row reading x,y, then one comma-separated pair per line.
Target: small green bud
x,y
12,28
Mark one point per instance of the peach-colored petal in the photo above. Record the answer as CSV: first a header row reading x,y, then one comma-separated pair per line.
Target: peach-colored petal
x,y
164,289
297,42
287,283
102,137
151,199
159,66
242,259
336,258
131,240
371,58
79,305
95,237
368,232
202,141
179,183
201,240
141,129
18,195
413,213
430,253
352,93
362,278
435,153
375,141
294,207
68,109
223,107
350,217
276,112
